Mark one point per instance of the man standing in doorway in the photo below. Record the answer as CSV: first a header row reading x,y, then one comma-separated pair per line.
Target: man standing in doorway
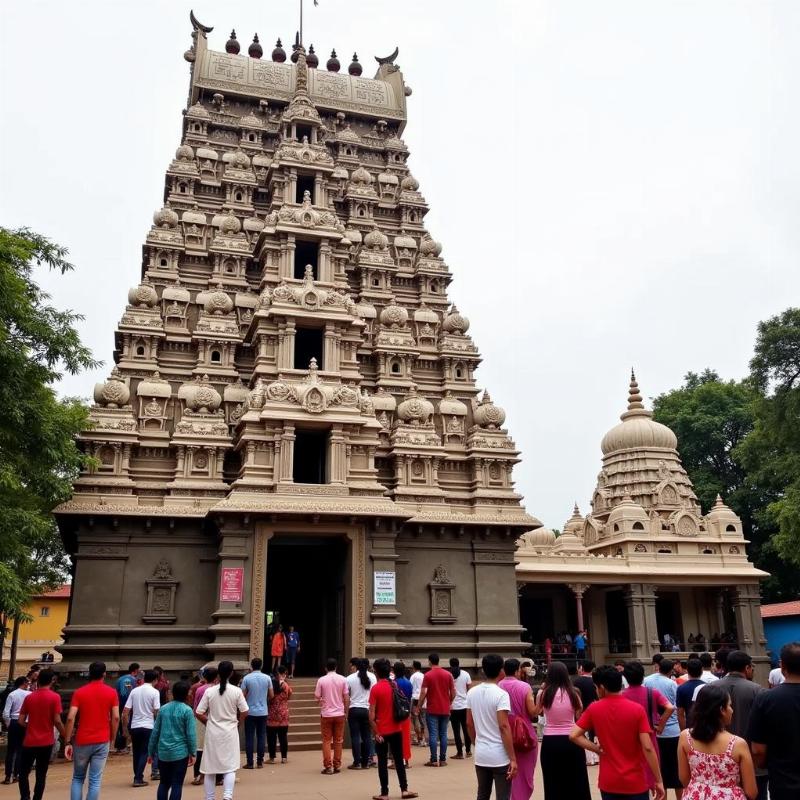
x,y
670,734
292,649
16,732
333,699
487,720
141,708
774,731
580,645
40,713
438,691
96,707
257,688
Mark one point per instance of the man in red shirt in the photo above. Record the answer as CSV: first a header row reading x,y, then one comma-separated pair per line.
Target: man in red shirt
x,y
96,708
387,731
40,712
624,741
439,689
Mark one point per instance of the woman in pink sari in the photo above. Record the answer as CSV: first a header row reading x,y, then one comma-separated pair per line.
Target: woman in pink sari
x,y
524,707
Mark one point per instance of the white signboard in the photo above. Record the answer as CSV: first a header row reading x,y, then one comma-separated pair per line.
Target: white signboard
x,y
385,594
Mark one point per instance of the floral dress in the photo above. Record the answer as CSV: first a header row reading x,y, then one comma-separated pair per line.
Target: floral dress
x,y
715,776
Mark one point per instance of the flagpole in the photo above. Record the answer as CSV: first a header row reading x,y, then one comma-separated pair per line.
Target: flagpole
x,y
301,21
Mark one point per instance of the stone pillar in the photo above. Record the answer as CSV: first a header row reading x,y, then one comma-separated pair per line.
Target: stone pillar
x,y
383,628
497,626
579,589
641,601
286,462
746,601
338,457
230,630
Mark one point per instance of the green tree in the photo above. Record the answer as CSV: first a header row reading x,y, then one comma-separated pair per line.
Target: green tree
x,y
715,421
39,458
772,452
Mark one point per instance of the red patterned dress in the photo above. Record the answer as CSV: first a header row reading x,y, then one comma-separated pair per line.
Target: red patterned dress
x,y
715,776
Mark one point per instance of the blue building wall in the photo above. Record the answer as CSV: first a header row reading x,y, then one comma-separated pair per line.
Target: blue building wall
x,y
780,630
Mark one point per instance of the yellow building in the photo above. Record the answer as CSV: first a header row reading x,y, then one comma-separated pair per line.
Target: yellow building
x,y
48,614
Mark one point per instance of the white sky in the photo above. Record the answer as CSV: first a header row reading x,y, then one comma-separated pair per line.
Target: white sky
x,y
614,183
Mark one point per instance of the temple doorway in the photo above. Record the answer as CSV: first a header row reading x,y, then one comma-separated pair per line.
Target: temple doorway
x,y
306,588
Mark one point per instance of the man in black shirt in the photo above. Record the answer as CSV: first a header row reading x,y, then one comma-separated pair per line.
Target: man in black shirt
x,y
774,730
584,683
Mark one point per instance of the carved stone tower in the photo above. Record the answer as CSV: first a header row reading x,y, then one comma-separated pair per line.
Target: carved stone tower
x,y
292,431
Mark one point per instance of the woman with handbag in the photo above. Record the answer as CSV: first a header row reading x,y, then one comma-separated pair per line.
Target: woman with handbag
x,y
523,711
563,763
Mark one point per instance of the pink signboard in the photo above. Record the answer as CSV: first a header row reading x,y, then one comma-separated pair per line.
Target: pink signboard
x,y
231,585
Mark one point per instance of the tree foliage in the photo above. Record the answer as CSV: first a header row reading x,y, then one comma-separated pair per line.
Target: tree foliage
x,y
39,458
772,452
741,439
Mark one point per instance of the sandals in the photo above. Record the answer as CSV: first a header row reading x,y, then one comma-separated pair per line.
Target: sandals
x,y
431,763
409,795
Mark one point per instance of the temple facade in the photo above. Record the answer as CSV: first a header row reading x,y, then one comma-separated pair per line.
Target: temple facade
x,y
645,563
292,431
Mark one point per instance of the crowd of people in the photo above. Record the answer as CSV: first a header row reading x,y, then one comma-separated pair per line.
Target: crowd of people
x,y
701,728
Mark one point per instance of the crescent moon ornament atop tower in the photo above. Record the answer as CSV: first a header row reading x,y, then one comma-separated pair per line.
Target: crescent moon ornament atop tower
x,y
197,25
388,59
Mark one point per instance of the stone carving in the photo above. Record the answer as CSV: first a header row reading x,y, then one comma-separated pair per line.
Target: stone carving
x,y
441,591
440,574
161,590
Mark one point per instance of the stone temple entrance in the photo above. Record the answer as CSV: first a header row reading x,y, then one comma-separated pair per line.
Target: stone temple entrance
x,y
307,587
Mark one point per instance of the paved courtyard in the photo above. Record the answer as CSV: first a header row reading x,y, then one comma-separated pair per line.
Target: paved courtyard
x,y
300,779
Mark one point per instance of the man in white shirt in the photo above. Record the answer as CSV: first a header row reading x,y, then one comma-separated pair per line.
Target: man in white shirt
x,y
141,708
417,711
16,732
487,720
458,709
776,677
707,661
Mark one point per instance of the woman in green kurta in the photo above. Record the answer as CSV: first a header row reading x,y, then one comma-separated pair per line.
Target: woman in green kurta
x,y
173,741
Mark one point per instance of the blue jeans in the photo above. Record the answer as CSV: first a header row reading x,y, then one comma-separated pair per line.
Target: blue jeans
x,y
89,758
437,734
255,732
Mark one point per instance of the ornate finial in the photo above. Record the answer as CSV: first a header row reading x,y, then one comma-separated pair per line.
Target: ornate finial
x,y
355,68
576,512
333,64
311,58
255,50
232,45
279,54
634,396
312,365
719,501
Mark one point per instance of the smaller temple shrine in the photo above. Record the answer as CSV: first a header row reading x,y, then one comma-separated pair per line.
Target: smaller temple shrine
x,y
645,563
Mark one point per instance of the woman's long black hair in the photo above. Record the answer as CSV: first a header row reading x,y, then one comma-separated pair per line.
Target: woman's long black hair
x,y
361,669
706,713
455,667
558,678
224,671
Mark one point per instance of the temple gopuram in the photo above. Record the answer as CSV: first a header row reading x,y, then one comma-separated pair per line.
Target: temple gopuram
x,y
292,431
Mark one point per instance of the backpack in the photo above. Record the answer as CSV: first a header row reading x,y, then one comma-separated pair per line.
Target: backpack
x,y
520,735
401,705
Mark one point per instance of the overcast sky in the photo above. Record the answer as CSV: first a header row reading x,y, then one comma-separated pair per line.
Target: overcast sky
x,y
614,183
